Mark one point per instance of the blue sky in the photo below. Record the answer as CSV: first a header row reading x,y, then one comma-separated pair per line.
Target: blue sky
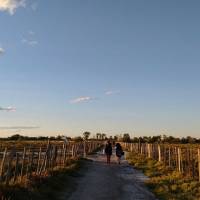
x,y
107,66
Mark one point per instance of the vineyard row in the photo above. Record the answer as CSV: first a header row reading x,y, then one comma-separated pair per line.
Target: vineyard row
x,y
19,165
184,159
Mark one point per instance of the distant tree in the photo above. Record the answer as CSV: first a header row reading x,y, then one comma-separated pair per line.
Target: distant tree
x,y
135,140
52,138
184,140
98,136
86,135
155,139
176,140
169,139
59,137
116,138
69,138
103,136
16,137
126,137
191,140
146,139
77,139
140,140
197,140
42,138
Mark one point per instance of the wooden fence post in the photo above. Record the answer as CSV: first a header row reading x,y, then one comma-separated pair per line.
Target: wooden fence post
x,y
44,162
159,154
2,164
131,147
54,156
149,150
179,159
64,153
84,149
39,160
169,156
16,168
199,162
46,165
9,170
22,167
73,151
28,165
31,163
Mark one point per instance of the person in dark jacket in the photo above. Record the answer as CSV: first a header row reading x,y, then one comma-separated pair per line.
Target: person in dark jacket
x,y
108,151
119,152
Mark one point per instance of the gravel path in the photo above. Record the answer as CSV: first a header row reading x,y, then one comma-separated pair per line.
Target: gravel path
x,y
111,182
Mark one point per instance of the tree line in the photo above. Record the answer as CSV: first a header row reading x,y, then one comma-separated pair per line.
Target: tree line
x,y
102,136
161,139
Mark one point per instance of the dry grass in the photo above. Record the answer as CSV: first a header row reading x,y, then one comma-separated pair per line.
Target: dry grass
x,y
166,183
46,188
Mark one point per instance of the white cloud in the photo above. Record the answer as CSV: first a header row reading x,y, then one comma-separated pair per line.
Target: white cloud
x,y
30,42
11,5
8,109
2,50
29,38
111,92
82,99
33,42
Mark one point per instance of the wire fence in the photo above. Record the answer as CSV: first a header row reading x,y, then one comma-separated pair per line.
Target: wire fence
x,y
183,158
20,164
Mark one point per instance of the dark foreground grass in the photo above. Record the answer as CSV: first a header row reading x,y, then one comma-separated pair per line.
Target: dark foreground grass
x,y
164,182
61,183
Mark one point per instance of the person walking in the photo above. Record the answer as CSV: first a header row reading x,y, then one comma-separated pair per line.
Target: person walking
x,y
108,151
119,152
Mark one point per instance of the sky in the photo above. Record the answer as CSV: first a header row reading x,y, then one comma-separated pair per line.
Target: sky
x,y
107,66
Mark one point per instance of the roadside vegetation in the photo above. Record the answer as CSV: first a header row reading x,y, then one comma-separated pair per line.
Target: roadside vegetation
x,y
164,182
47,188
37,169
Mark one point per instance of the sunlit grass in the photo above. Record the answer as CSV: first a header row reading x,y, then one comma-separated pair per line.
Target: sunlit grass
x,y
166,183
45,188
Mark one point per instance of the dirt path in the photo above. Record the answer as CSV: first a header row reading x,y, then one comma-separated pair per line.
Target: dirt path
x,y
111,182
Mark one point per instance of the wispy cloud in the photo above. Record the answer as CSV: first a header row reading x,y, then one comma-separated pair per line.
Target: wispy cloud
x,y
82,99
34,6
18,127
112,92
8,109
2,51
30,42
31,32
11,5
29,39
